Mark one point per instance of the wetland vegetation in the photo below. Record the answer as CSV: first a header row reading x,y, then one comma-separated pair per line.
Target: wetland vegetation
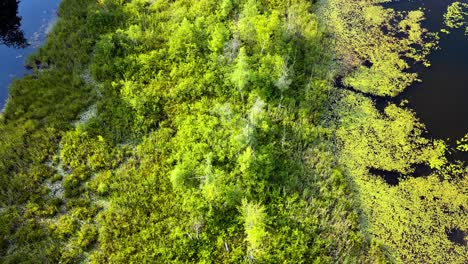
x,y
233,131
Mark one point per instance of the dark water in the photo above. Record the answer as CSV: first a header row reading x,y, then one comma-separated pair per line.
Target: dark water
x,y
441,99
23,27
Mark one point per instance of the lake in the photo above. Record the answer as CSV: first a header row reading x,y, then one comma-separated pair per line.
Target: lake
x,y
23,28
441,99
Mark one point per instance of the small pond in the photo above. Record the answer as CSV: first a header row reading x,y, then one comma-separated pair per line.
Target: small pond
x,y
23,28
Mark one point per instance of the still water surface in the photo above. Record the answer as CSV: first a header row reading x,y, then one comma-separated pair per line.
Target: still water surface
x,y
23,28
440,100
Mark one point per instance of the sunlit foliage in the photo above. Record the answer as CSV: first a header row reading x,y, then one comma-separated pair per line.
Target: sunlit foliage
x,y
210,131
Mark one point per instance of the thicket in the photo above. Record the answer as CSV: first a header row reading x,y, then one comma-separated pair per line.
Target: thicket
x,y
210,131
206,144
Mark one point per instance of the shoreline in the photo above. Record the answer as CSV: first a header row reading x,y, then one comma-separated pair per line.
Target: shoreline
x,y
35,41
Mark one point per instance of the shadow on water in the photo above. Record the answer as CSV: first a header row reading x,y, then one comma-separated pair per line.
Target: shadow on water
x,y
393,178
11,34
457,236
